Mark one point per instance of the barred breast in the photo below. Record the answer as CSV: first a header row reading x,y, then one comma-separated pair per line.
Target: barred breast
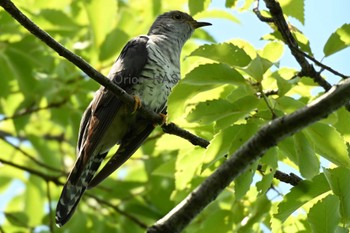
x,y
160,74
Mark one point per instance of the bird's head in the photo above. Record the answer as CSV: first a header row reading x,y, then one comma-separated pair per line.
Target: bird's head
x,y
176,24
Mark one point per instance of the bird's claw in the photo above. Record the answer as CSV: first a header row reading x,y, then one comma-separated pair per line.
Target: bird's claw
x,y
163,116
138,103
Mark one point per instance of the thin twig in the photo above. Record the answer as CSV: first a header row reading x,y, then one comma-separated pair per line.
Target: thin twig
x,y
54,179
115,208
282,26
51,222
323,66
28,111
32,158
259,15
172,128
266,100
290,178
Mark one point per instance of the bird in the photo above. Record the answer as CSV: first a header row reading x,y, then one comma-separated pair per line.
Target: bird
x,y
147,68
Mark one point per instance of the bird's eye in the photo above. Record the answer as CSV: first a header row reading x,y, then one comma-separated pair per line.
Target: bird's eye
x,y
177,16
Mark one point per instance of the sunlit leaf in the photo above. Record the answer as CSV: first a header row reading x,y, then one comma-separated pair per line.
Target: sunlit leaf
x,y
308,162
213,74
197,6
34,200
338,181
339,40
226,53
329,143
216,13
304,192
257,68
209,111
324,215
294,8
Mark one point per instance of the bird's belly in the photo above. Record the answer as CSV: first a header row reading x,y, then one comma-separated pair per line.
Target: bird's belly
x,y
154,88
116,130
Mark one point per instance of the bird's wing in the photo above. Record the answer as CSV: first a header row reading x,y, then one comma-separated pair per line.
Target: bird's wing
x,y
105,104
96,119
131,142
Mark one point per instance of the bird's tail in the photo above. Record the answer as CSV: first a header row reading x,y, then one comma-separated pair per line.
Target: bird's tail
x,y
76,184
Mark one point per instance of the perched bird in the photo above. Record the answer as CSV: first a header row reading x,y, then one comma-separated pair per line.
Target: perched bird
x,y
147,68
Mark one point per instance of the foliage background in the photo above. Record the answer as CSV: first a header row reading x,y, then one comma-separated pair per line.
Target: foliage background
x,y
42,97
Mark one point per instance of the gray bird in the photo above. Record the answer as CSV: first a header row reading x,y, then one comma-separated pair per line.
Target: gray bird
x,y
147,68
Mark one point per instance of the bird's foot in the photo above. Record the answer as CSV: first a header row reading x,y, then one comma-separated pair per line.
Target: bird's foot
x,y
163,116
138,103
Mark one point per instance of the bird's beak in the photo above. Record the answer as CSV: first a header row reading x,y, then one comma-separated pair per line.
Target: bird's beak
x,y
195,24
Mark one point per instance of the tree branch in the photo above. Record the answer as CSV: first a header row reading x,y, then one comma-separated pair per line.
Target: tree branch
x,y
267,137
172,128
28,111
32,158
118,210
54,179
290,178
282,26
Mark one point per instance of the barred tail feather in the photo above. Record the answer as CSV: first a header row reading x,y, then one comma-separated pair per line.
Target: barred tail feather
x,y
75,187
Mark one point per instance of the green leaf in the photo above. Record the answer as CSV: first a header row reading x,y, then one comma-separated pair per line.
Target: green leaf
x,y
256,215
213,110
59,19
288,104
166,169
186,166
324,215
217,13
339,40
282,77
244,180
304,192
303,41
257,68
338,179
269,165
294,8
273,51
342,125
220,145
112,44
308,162
230,3
329,143
17,218
34,200
210,74
180,94
196,6
101,17
203,35
21,68
225,53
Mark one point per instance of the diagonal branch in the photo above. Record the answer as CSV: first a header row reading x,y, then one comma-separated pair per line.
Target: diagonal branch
x,y
54,179
282,26
28,111
268,136
32,158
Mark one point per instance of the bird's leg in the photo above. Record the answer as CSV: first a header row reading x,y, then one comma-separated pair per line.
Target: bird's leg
x,y
138,103
163,116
